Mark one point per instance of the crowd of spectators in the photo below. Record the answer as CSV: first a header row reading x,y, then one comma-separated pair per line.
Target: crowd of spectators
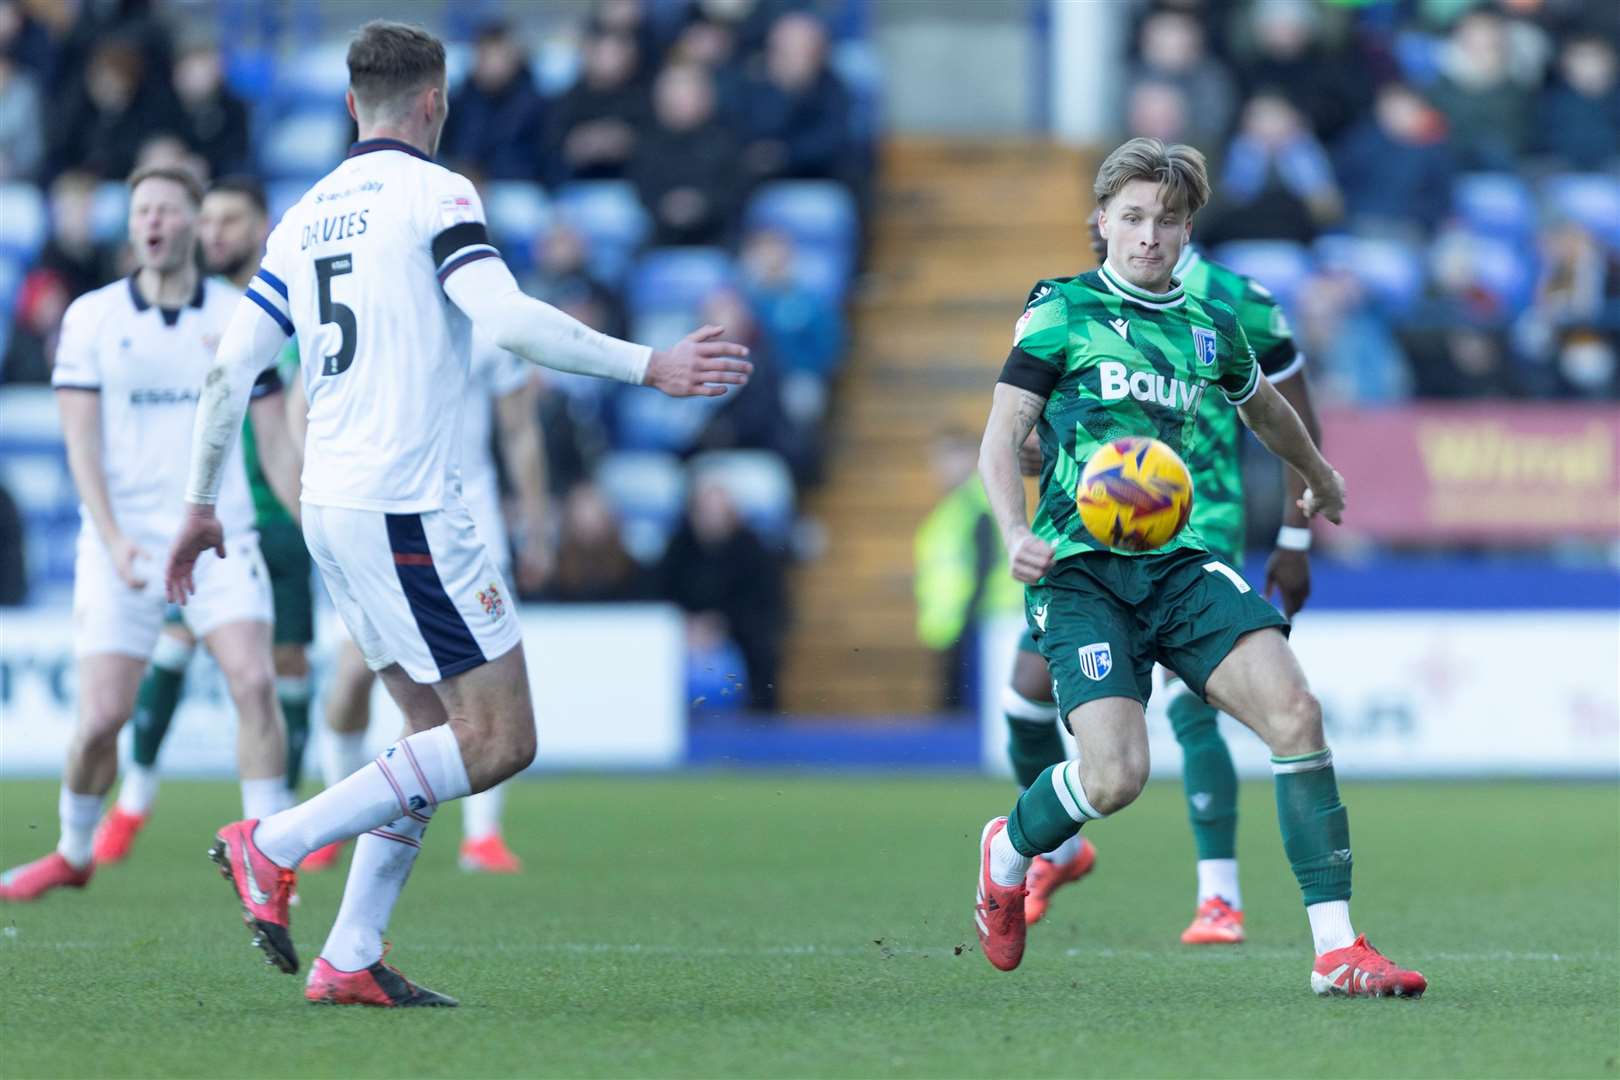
x,y
676,126
1432,188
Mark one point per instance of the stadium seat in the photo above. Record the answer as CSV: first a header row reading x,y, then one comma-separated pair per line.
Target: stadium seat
x,y
1279,265
1495,204
677,278
556,65
304,143
612,220
24,219
1592,199
12,270
644,419
318,78
759,483
823,271
648,489
1505,270
812,212
109,213
1390,271
517,211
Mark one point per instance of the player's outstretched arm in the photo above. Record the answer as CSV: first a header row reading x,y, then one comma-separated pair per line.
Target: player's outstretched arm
x,y
700,365
251,341
1277,426
1013,413
1288,569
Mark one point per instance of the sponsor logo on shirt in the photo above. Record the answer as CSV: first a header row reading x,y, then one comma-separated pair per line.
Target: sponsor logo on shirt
x,y
1116,382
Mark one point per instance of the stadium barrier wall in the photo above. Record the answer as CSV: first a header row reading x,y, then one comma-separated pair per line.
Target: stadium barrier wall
x,y
608,686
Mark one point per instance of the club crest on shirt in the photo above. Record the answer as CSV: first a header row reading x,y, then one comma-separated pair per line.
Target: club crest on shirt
x,y
1096,661
455,209
494,604
1204,344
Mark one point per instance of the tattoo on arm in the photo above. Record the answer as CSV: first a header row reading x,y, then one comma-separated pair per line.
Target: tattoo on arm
x,y
1013,414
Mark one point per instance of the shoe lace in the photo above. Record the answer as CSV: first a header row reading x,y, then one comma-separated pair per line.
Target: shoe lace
x,y
1375,963
286,882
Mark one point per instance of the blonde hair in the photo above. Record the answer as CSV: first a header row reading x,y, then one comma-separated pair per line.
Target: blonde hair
x,y
1178,169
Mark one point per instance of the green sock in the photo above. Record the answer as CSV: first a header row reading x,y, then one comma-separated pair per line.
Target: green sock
x,y
1208,776
1050,810
155,703
1033,742
1315,827
293,693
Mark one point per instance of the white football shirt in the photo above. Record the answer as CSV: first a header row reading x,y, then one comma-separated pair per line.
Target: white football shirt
x,y
494,373
148,364
355,270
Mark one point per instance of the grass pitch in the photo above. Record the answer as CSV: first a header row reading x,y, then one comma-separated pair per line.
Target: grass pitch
x,y
808,926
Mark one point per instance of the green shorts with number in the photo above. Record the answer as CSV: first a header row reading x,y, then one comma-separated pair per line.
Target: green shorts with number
x,y
281,542
1102,621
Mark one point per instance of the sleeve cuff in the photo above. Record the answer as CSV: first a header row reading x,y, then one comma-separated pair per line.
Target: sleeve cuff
x,y
1248,391
1029,372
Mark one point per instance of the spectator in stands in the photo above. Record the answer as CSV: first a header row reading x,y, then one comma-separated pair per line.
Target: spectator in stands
x,y
685,167
22,121
1588,364
72,252
114,108
41,302
1156,110
13,570
593,566
1291,59
1489,111
1579,116
1396,167
498,117
216,120
1354,356
1277,183
563,279
1459,362
630,19
1173,51
795,118
594,129
730,585
804,329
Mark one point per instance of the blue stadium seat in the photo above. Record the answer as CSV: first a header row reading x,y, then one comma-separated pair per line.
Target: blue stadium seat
x,y
556,65
677,278
316,79
859,64
644,419
1495,204
1506,270
612,220
812,212
823,270
1592,199
1390,271
109,213
1279,265
24,219
759,482
304,143
518,212
648,489
12,271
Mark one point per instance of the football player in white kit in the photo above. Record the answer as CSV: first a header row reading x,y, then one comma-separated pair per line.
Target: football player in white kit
x,y
131,358
381,271
500,395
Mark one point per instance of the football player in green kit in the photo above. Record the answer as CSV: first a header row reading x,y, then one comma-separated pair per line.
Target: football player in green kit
x,y
1126,350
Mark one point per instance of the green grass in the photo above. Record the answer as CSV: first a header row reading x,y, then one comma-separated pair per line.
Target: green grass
x,y
803,926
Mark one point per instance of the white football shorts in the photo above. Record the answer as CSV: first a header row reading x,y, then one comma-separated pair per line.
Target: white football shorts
x,y
418,590
110,617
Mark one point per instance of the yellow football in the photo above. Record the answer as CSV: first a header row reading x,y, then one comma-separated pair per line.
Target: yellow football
x,y
1135,494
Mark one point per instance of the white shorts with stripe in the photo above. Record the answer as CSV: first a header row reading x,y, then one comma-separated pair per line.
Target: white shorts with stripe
x,y
417,590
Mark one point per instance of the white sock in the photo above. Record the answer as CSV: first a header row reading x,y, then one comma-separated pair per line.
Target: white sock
x,y
1330,925
78,815
293,688
481,813
343,753
139,790
1007,866
261,798
408,778
1066,852
382,861
1219,877
171,653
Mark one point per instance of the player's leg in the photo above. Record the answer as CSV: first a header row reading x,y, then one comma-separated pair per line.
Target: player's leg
x,y
1209,780
483,847
287,560
242,651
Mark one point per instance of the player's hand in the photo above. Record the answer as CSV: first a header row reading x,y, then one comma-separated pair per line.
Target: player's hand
x,y
1326,498
1029,456
1288,576
1030,558
199,532
125,554
700,365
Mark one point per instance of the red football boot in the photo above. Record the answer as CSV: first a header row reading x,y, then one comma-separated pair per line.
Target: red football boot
x,y
1217,923
263,889
1359,970
378,985
116,835
998,910
489,855
32,880
322,858
1046,877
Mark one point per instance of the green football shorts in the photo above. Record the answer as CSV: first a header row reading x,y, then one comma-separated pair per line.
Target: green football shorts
x,y
281,542
1103,620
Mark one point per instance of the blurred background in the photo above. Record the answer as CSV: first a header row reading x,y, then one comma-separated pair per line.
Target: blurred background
x,y
864,191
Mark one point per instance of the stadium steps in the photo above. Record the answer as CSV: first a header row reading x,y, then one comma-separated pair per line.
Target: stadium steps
x,y
961,230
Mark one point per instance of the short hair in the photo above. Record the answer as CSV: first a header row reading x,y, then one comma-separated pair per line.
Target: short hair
x,y
246,186
390,59
184,177
1178,169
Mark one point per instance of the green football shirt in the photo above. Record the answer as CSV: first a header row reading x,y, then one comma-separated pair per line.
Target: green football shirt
x,y
1213,458
267,508
1114,360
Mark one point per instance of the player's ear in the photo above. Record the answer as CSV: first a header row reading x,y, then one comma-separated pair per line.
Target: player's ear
x,y
348,100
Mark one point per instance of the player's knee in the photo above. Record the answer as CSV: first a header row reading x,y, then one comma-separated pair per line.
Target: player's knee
x,y
1297,723
99,725
520,747
1114,784
250,679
